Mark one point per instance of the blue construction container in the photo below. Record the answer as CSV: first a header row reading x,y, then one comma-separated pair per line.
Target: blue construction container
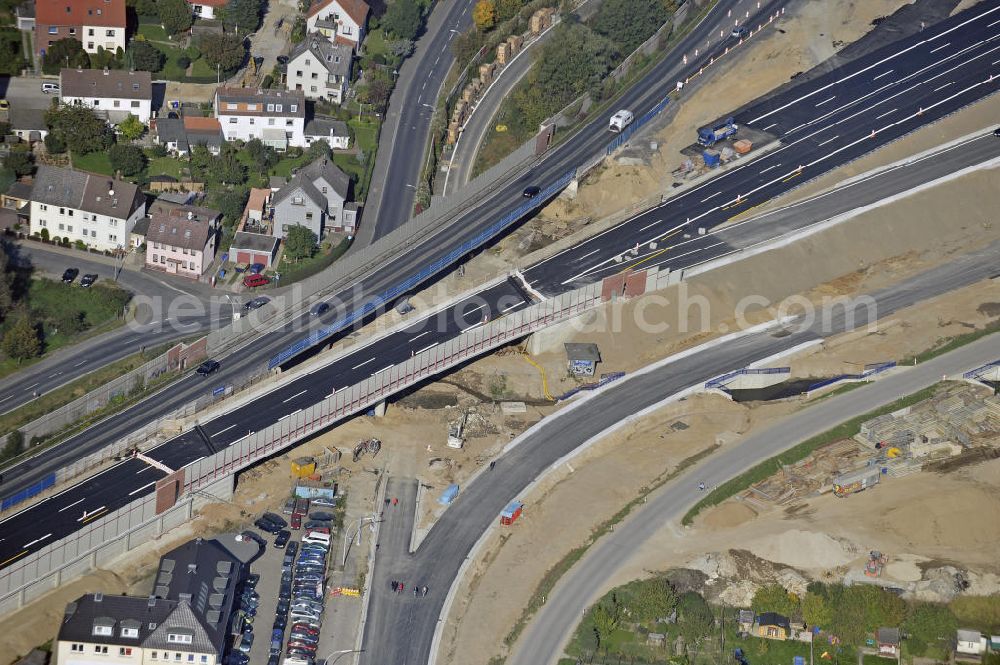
x,y
712,158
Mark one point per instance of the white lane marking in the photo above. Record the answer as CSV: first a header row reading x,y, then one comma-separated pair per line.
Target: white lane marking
x,y
943,86
303,392
70,505
940,47
820,145
506,309
224,430
30,387
594,252
826,100
382,370
90,513
879,117
52,376
37,540
427,348
416,337
473,311
883,74
136,491
769,168
6,398
712,196
145,468
992,24
769,126
294,412
648,226
364,363
82,362
283,417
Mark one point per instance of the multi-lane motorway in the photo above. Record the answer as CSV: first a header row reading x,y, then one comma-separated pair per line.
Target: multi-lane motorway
x,y
249,357
61,514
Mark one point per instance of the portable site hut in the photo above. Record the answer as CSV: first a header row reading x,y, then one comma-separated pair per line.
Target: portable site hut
x,y
511,512
582,358
856,481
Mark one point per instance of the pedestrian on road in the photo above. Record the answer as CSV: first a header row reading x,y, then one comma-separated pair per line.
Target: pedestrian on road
x,y
394,584
395,501
424,590
493,465
415,591
402,587
387,501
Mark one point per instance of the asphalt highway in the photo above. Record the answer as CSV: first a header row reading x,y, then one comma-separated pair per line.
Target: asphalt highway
x,y
452,537
548,632
249,358
362,363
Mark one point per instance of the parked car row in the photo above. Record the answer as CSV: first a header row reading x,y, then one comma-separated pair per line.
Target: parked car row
x,y
243,627
302,590
86,281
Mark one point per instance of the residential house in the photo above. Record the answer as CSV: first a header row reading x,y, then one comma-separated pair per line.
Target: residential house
x,y
206,8
970,645
256,213
298,203
887,640
18,197
335,186
276,117
94,23
773,626
114,93
320,68
182,240
137,238
179,135
27,123
334,132
343,21
186,619
94,209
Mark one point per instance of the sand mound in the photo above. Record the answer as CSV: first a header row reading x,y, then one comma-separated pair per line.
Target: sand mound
x,y
805,549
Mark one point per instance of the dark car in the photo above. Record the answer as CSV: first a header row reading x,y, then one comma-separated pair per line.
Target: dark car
x,y
276,519
282,59
70,275
253,579
320,308
256,268
88,280
253,281
996,132
282,539
256,303
267,525
739,33
531,191
208,367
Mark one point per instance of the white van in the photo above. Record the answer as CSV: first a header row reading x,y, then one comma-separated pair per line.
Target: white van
x,y
320,538
621,120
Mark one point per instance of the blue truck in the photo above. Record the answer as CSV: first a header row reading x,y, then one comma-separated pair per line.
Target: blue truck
x,y
722,129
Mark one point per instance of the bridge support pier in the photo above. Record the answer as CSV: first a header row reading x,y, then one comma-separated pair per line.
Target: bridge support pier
x,y
380,409
571,190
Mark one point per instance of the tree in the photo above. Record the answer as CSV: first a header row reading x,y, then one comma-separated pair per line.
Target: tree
x,y
929,623
694,617
300,243
20,162
128,159
65,53
21,341
318,149
774,598
145,57
244,14
54,144
146,8
78,127
225,52
232,202
104,59
6,282
69,320
628,23
654,598
606,616
263,156
377,90
508,9
815,610
175,15
403,19
131,127
14,445
484,15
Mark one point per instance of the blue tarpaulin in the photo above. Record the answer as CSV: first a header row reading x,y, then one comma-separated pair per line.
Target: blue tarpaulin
x,y
449,495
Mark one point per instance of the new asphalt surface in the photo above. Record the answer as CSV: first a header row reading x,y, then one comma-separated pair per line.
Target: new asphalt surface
x,y
249,357
551,628
58,516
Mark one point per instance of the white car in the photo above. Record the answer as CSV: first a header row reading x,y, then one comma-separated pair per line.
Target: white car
x,y
50,88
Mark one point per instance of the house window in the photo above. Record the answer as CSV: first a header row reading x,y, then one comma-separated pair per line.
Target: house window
x,y
192,268
113,238
251,107
125,651
41,222
153,655
70,229
204,659
315,76
53,30
294,107
127,632
312,88
298,73
43,207
90,32
100,649
309,216
93,234
270,108
232,121
90,45
118,103
177,657
191,655
61,227
308,62
62,211
277,108
178,638
76,647
97,102
297,200
270,122
253,121
109,33
135,104
72,31
153,259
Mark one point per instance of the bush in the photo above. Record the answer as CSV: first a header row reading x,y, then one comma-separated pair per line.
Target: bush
x,y
158,150
54,144
183,62
192,52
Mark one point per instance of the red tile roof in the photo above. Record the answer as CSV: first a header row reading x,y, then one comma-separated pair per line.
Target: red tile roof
x,y
197,123
356,9
109,13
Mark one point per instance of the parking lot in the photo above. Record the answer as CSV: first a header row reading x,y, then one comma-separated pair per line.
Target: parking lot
x,y
303,563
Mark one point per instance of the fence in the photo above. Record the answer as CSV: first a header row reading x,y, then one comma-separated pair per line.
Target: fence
x,y
28,492
613,376
977,374
64,553
870,370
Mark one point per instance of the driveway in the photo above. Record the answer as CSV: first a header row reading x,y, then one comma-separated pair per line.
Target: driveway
x,y
270,41
26,91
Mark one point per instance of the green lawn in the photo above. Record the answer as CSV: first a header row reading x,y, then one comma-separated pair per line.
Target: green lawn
x,y
153,33
171,166
201,68
171,68
376,43
284,167
95,162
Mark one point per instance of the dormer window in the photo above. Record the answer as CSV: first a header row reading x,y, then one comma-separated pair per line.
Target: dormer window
x,y
135,86
251,107
179,638
103,630
130,632
294,107
277,108
270,108
231,107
